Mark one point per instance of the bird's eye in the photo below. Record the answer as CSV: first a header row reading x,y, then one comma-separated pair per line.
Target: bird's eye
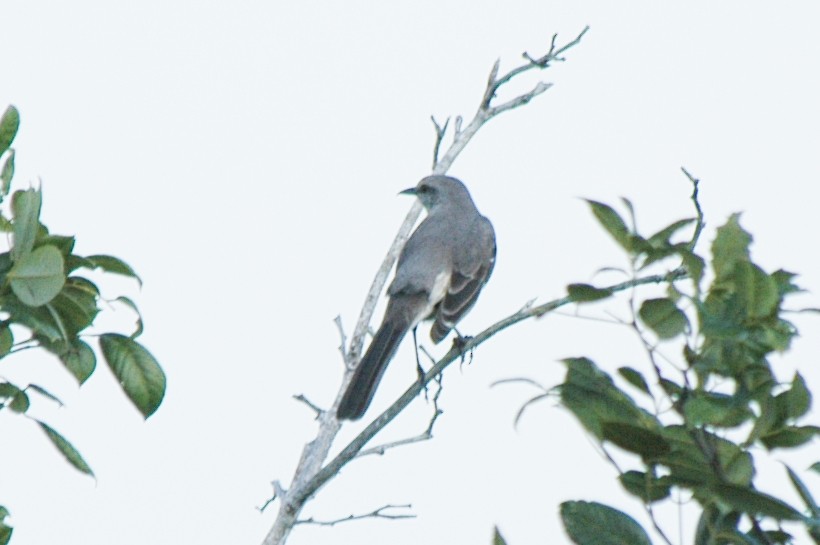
x,y
424,189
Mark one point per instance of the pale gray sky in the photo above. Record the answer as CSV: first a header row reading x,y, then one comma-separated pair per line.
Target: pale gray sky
x,y
245,156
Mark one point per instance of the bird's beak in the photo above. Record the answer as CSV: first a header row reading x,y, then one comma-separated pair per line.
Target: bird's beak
x,y
408,191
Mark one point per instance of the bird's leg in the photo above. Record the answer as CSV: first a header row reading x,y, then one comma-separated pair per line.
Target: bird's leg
x,y
419,368
460,342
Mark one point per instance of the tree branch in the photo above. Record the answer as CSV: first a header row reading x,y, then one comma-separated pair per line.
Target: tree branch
x,y
343,338
315,408
355,446
376,513
310,475
426,435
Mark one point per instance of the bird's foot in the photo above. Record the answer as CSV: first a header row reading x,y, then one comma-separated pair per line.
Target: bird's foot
x,y
421,374
460,342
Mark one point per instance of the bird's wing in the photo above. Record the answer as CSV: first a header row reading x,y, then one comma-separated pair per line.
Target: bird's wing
x,y
465,285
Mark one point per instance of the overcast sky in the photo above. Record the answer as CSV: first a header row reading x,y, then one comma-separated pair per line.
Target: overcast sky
x,y
244,157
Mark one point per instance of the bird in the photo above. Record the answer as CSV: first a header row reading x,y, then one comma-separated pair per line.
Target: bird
x,y
439,275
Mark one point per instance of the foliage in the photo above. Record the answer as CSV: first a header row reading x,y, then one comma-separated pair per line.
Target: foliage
x,y
46,303
695,422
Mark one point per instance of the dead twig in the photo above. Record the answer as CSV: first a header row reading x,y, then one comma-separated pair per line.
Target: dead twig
x,y
376,513
426,435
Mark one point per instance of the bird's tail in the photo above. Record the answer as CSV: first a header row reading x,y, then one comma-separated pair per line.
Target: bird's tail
x,y
369,372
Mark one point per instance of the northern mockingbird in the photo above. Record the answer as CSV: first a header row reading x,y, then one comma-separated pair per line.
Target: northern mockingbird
x,y
439,274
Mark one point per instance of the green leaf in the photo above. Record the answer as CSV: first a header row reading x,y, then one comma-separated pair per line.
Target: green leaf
x,y
673,389
797,400
139,374
591,396
612,222
690,467
805,495
783,279
635,378
663,317
5,262
769,419
25,206
646,487
661,238
8,390
38,319
815,467
631,209
45,393
133,306
747,500
584,293
9,124
758,536
77,357
38,277
74,262
68,451
5,531
6,174
731,246
6,339
757,292
498,539
76,304
20,402
591,523
694,264
63,243
705,408
646,443
114,265
790,437
714,522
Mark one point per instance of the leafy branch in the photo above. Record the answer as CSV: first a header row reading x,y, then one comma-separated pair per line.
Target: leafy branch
x,y
45,298
724,396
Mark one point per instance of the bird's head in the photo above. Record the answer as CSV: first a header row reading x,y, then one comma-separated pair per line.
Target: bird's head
x,y
437,189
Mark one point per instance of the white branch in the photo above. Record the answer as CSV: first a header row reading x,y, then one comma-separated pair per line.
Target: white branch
x,y
376,513
310,474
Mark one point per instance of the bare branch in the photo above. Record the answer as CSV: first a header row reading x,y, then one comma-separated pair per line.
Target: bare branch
x,y
426,435
553,54
492,86
700,223
441,130
487,111
520,380
307,402
377,513
520,100
545,393
343,339
278,492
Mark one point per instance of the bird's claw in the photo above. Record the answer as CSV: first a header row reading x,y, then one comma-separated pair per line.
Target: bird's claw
x,y
460,342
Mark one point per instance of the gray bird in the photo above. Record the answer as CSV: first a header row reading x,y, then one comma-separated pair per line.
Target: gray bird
x,y
439,274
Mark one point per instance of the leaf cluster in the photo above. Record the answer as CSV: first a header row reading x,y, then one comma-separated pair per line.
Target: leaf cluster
x,y
709,409
47,303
